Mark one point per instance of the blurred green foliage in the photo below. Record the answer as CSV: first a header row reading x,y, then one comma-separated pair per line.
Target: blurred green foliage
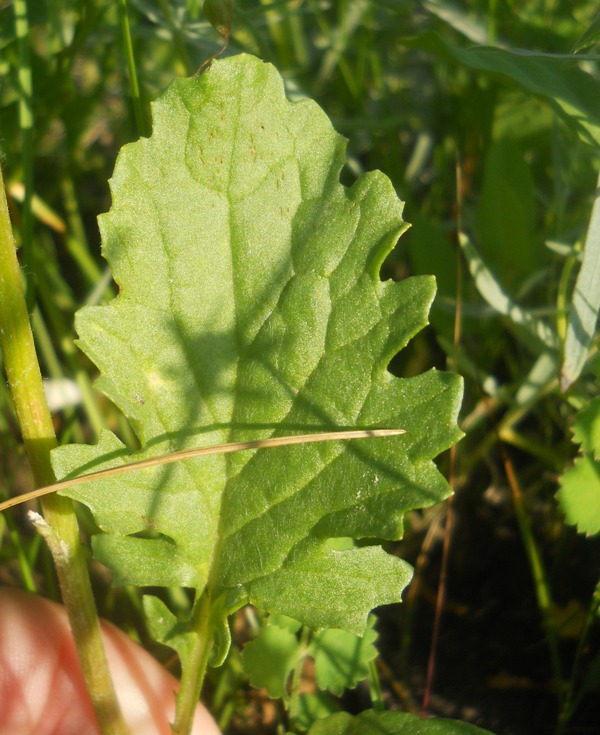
x,y
485,115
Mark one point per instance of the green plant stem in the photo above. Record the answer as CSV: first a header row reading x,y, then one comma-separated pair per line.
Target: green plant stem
x,y
59,525
492,33
505,430
570,701
274,18
76,240
178,37
298,35
375,687
562,299
540,582
194,669
335,57
134,87
26,568
60,329
294,707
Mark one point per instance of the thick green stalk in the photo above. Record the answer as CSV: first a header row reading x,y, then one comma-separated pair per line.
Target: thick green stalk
x,y
194,669
59,525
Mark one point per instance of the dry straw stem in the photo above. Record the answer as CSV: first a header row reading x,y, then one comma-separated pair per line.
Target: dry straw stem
x,y
279,441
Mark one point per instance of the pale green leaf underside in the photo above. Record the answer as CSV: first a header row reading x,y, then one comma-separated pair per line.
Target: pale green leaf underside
x,y
250,306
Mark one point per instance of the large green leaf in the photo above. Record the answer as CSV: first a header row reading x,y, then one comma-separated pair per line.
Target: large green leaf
x,y
250,306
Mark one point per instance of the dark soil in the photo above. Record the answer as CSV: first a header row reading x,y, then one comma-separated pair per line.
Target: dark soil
x,y
492,666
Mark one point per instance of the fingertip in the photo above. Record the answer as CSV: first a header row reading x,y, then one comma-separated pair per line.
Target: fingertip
x,y
42,691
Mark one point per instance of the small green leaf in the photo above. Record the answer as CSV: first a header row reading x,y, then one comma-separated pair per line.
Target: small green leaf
x,y
342,658
579,495
390,723
167,629
587,428
270,658
219,13
313,706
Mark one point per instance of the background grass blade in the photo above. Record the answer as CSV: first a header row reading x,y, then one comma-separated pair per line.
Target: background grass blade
x,y
586,302
493,292
572,92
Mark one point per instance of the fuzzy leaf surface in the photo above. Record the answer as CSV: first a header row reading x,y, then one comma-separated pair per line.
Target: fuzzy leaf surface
x,y
250,306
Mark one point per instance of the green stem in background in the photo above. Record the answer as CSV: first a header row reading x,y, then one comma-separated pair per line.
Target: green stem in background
x,y
134,88
284,21
505,430
49,359
294,706
571,701
335,56
563,299
27,573
492,31
178,37
76,240
375,687
69,352
274,18
540,582
59,525
26,125
298,34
